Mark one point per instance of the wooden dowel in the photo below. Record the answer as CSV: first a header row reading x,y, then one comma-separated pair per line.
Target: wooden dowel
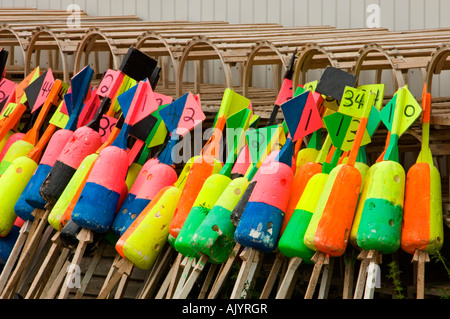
x,y
174,276
56,285
197,269
319,259
420,257
286,283
223,273
372,271
62,260
208,281
349,270
124,267
188,265
326,279
280,259
251,260
84,237
27,254
111,270
36,261
156,272
90,271
362,275
46,267
165,285
14,255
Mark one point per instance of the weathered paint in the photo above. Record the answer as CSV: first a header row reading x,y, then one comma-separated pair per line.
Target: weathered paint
x,y
334,227
12,184
211,190
31,193
274,185
260,224
55,218
145,238
104,200
135,185
301,178
201,169
151,179
23,209
259,227
55,146
331,223
381,218
423,227
215,235
291,242
83,142
98,201
359,208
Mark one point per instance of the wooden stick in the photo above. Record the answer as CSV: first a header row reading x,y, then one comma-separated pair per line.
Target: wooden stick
x,y
84,237
14,255
156,273
122,284
111,271
187,287
247,257
90,271
280,259
326,279
174,275
420,257
348,275
319,260
56,285
188,266
39,256
251,259
371,279
375,259
46,267
207,282
250,282
124,266
283,270
165,285
223,273
27,254
362,275
287,281
64,255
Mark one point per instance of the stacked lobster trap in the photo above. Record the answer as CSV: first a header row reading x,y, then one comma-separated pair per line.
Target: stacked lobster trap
x,y
194,216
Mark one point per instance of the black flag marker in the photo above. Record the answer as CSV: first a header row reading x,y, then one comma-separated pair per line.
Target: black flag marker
x,y
333,81
138,65
3,59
